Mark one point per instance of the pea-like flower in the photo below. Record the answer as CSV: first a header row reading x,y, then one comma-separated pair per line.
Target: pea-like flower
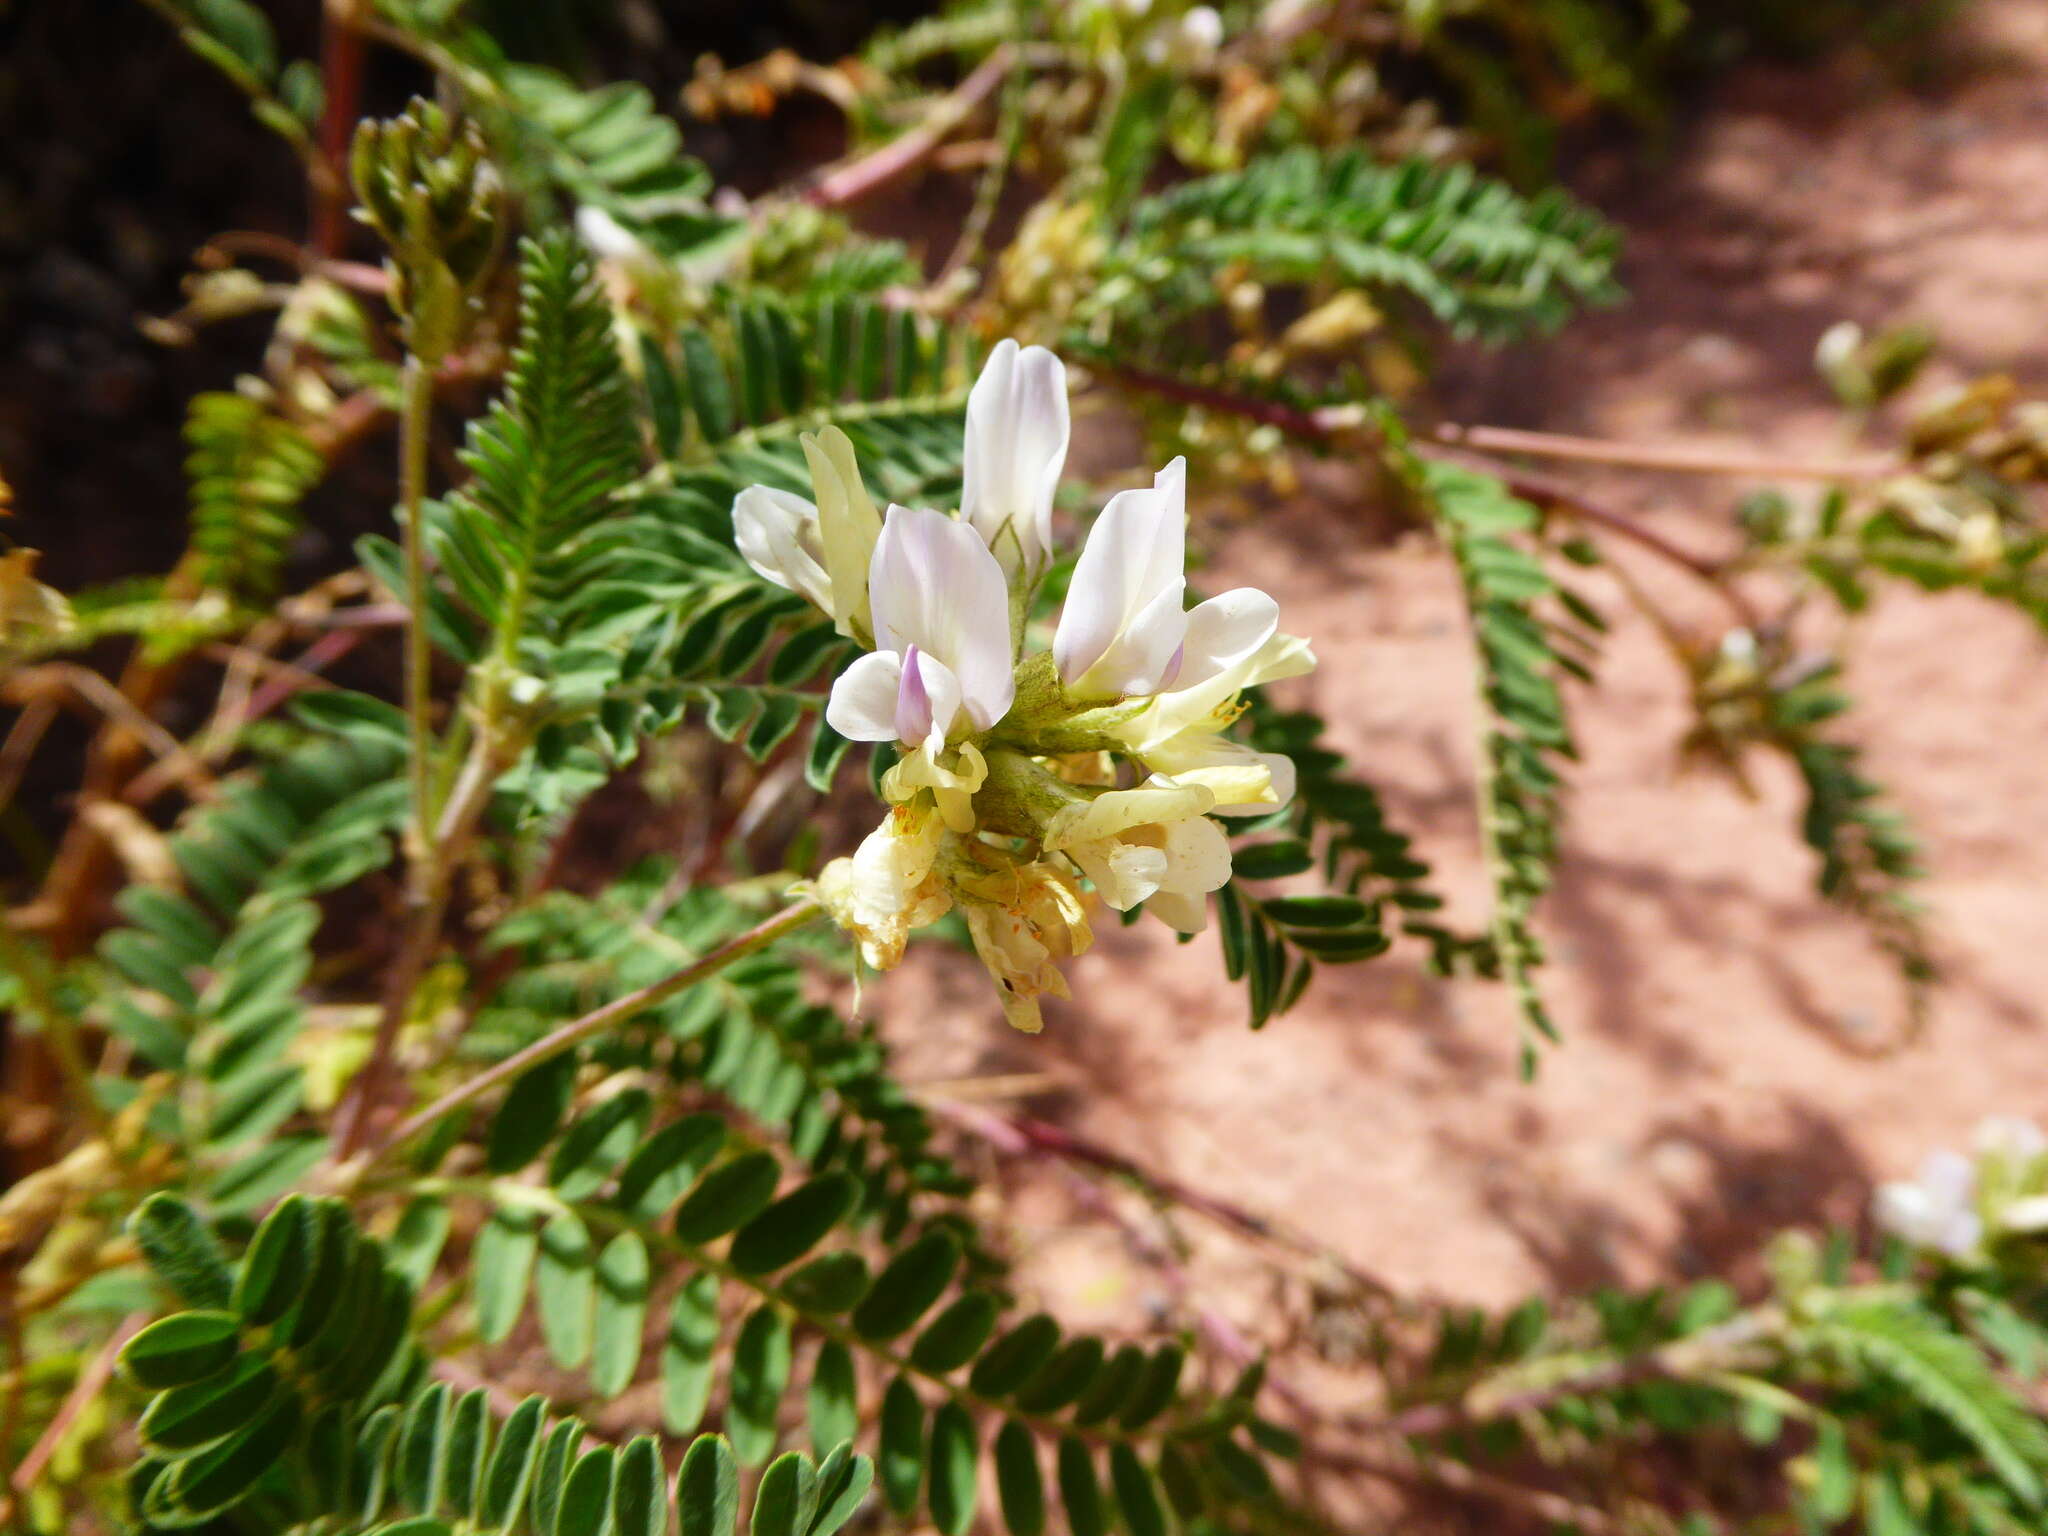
x,y
1027,784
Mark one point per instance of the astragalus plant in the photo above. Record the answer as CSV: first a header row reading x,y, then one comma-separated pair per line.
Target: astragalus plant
x,y
404,1147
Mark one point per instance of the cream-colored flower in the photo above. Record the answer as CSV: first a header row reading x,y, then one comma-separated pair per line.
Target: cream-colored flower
x,y
1154,844
889,885
1180,733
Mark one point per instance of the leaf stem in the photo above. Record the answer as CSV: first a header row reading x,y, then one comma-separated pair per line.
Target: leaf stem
x,y
597,1021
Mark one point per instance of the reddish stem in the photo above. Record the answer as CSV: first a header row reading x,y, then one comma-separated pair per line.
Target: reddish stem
x,y
1326,423
341,79
851,183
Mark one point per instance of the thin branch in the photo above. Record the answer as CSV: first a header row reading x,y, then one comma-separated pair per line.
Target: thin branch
x,y
1690,461
1027,1137
1331,422
598,1020
341,86
91,1382
850,183
1710,1349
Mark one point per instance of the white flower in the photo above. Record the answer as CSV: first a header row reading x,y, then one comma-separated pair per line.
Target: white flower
x,y
942,663
1189,42
1015,448
1123,632
2013,1138
821,550
608,239
887,888
1938,1209
1153,844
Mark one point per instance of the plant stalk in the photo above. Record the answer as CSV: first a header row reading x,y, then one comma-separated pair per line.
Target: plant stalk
x,y
597,1021
416,411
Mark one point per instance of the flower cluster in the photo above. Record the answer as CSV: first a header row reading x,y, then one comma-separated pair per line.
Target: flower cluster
x,y
1957,1202
1029,783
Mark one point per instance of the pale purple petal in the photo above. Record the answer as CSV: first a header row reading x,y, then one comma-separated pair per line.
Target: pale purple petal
x,y
933,584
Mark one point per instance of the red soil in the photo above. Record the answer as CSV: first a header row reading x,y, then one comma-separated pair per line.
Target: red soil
x,y
1707,1092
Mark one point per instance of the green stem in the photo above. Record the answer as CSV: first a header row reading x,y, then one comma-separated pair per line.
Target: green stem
x,y
416,407
598,1020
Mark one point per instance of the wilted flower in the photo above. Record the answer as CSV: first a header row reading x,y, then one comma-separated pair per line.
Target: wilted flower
x,y
888,887
1026,785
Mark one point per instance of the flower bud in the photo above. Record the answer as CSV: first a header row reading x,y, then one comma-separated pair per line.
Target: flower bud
x,y
427,188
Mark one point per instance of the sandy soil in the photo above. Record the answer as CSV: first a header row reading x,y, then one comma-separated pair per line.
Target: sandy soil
x,y
1705,1096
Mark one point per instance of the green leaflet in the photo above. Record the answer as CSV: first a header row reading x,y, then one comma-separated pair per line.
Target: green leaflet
x,y
760,1375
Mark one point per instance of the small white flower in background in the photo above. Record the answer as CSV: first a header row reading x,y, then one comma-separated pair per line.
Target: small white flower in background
x,y
608,239
1189,41
1016,446
1938,1209
2012,1137
1007,793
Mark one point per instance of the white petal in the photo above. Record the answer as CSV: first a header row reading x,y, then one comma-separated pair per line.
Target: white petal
x,y
1123,874
863,702
777,533
933,584
1122,618
1949,1177
1198,856
1180,912
1017,429
2010,1136
606,236
1200,706
1224,632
